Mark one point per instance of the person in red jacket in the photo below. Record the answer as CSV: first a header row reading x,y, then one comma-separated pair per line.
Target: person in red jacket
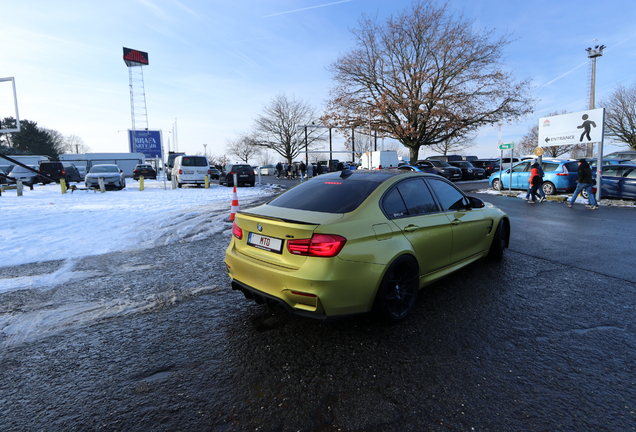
x,y
535,182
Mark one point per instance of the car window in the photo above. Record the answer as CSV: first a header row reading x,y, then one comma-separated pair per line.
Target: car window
x,y
612,171
330,196
572,166
393,205
104,169
406,168
417,197
549,166
523,166
198,161
242,169
449,197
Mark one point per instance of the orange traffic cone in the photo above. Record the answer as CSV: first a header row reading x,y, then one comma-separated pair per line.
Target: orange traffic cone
x,y
235,204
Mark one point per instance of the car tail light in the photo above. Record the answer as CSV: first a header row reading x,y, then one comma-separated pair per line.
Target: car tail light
x,y
208,172
564,173
237,231
180,172
232,173
319,245
63,172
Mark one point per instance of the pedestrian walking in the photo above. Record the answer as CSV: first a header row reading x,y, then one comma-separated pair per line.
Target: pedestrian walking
x,y
279,169
319,168
540,192
286,168
535,181
585,183
303,168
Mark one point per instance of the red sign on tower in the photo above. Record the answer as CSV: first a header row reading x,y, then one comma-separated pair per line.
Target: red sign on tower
x,y
135,58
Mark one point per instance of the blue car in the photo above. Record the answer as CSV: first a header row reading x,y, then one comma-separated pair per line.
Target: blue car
x,y
618,181
560,176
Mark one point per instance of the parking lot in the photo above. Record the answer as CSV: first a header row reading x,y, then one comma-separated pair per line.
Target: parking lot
x,y
155,339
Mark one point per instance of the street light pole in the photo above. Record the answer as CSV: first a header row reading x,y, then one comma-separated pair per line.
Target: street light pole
x,y
593,54
205,153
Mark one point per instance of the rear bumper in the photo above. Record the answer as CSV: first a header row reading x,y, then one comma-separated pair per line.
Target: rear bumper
x,y
323,288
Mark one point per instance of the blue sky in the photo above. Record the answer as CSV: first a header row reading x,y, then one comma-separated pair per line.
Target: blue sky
x,y
214,65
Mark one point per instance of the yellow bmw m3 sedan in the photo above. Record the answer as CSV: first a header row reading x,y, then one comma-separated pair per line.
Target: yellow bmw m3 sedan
x,y
351,242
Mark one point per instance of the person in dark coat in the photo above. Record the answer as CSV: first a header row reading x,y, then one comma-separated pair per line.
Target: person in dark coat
x,y
279,169
319,169
585,183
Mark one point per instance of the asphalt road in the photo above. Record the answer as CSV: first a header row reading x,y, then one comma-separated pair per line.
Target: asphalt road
x,y
156,340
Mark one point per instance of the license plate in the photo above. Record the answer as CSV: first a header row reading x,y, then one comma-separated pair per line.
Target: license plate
x,y
455,175
266,243
243,175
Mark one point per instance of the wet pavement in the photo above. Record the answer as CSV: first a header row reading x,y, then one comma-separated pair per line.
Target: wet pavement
x,y
156,340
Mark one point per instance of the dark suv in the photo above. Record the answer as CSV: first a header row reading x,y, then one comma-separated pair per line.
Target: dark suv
x,y
244,175
71,173
53,170
489,165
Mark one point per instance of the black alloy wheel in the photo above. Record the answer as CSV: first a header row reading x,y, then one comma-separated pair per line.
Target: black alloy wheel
x,y
398,291
499,242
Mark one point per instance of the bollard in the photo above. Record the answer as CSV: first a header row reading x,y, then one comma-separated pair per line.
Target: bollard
x,y
63,186
207,181
19,187
174,182
101,184
141,183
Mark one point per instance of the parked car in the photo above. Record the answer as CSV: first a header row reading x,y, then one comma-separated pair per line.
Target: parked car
x,y
145,170
617,181
4,169
71,173
52,170
417,168
113,176
488,165
468,170
352,241
623,154
442,168
244,174
560,176
190,170
268,169
27,177
214,173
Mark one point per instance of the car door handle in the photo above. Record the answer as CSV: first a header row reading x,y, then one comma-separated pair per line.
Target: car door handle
x,y
456,222
411,228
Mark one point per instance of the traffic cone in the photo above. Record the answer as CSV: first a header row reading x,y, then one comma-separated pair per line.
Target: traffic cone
x,y
235,204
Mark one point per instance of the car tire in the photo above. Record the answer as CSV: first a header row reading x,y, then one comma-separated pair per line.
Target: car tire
x,y
584,194
496,184
499,242
398,290
548,188
179,185
252,184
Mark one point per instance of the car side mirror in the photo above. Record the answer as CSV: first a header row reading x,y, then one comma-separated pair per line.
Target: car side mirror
x,y
476,202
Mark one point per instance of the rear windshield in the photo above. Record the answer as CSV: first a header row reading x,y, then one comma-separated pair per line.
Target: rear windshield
x,y
242,169
194,161
333,196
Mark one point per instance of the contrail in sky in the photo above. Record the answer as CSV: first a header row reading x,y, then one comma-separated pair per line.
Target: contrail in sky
x,y
307,8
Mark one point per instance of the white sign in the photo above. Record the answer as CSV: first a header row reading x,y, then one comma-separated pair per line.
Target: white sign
x,y
575,128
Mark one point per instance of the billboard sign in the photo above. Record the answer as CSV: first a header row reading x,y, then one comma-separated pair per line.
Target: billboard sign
x,y
576,128
135,58
147,142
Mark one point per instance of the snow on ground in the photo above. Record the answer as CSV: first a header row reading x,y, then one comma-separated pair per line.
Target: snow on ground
x,y
44,224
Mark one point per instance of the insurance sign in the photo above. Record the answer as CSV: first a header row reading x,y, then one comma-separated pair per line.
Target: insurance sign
x,y
147,142
575,128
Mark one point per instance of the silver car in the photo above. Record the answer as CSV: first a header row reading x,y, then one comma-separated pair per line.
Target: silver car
x,y
28,178
112,175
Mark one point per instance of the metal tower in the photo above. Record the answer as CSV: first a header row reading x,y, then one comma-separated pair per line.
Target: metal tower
x,y
135,60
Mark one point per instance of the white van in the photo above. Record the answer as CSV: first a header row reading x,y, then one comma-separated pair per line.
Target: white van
x,y
190,170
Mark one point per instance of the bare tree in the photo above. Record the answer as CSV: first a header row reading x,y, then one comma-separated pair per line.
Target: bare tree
x,y
620,114
276,127
74,144
243,147
530,141
425,77
454,145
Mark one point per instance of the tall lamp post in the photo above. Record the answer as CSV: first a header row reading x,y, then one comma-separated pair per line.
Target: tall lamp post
x,y
205,153
593,54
